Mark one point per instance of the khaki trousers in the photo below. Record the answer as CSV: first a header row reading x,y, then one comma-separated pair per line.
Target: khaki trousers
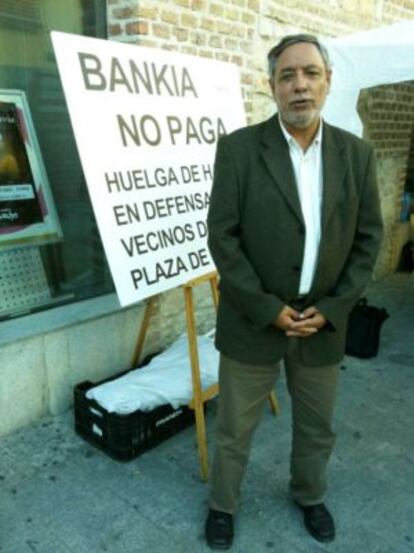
x,y
243,393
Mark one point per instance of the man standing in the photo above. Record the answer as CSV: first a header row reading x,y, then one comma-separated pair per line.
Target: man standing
x,y
294,229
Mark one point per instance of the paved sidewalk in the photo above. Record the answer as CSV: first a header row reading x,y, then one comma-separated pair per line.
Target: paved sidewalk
x,y
60,495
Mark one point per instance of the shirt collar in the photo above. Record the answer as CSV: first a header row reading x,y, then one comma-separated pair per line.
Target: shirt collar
x,y
292,142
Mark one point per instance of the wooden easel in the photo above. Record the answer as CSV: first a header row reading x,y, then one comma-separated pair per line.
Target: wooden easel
x,y
200,396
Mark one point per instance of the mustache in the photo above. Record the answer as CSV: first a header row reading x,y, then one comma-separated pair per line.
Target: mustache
x,y
301,100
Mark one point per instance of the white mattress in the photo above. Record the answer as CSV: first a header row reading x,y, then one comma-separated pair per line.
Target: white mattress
x,y
166,379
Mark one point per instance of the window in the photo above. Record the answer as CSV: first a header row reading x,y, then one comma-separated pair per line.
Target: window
x,y
42,269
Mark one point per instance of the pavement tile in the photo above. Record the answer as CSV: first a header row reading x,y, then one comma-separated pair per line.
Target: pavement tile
x,y
58,494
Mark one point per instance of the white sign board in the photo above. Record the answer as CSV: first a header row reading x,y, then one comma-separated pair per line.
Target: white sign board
x,y
146,123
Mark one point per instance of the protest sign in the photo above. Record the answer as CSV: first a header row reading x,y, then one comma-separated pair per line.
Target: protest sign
x,y
146,123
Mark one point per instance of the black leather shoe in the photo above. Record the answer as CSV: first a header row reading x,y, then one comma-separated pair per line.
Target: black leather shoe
x,y
219,529
319,522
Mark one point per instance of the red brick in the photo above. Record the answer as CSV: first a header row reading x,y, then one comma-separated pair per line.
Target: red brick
x,y
253,5
169,16
160,30
148,43
137,28
189,50
215,41
189,21
205,53
216,9
248,18
231,44
199,5
222,56
183,3
180,33
146,12
232,13
114,30
237,59
208,24
199,38
122,13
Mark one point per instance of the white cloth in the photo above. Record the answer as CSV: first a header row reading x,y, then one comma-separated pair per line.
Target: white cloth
x,y
307,167
166,379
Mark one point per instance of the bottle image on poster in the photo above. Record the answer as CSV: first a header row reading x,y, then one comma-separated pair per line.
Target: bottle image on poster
x,y
19,203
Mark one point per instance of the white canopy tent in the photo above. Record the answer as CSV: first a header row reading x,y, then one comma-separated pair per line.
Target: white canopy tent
x,y
362,60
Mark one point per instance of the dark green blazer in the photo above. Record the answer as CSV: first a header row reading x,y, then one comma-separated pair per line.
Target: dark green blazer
x,y
257,235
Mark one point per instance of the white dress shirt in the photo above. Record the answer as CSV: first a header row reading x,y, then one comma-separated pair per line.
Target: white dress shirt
x,y
307,167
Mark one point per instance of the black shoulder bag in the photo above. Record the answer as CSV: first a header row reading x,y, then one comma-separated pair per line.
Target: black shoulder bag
x,y
364,326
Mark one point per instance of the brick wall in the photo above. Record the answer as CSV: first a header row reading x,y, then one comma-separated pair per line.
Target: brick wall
x,y
388,116
213,29
329,18
242,31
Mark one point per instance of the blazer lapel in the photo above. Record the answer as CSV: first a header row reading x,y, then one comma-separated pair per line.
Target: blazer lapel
x,y
277,159
334,169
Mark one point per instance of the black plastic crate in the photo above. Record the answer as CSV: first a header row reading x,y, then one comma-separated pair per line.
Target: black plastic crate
x,y
124,437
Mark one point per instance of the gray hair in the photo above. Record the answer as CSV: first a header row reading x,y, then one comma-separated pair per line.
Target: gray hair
x,y
288,40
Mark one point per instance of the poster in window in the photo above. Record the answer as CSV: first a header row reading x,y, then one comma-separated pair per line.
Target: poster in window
x,y
27,212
